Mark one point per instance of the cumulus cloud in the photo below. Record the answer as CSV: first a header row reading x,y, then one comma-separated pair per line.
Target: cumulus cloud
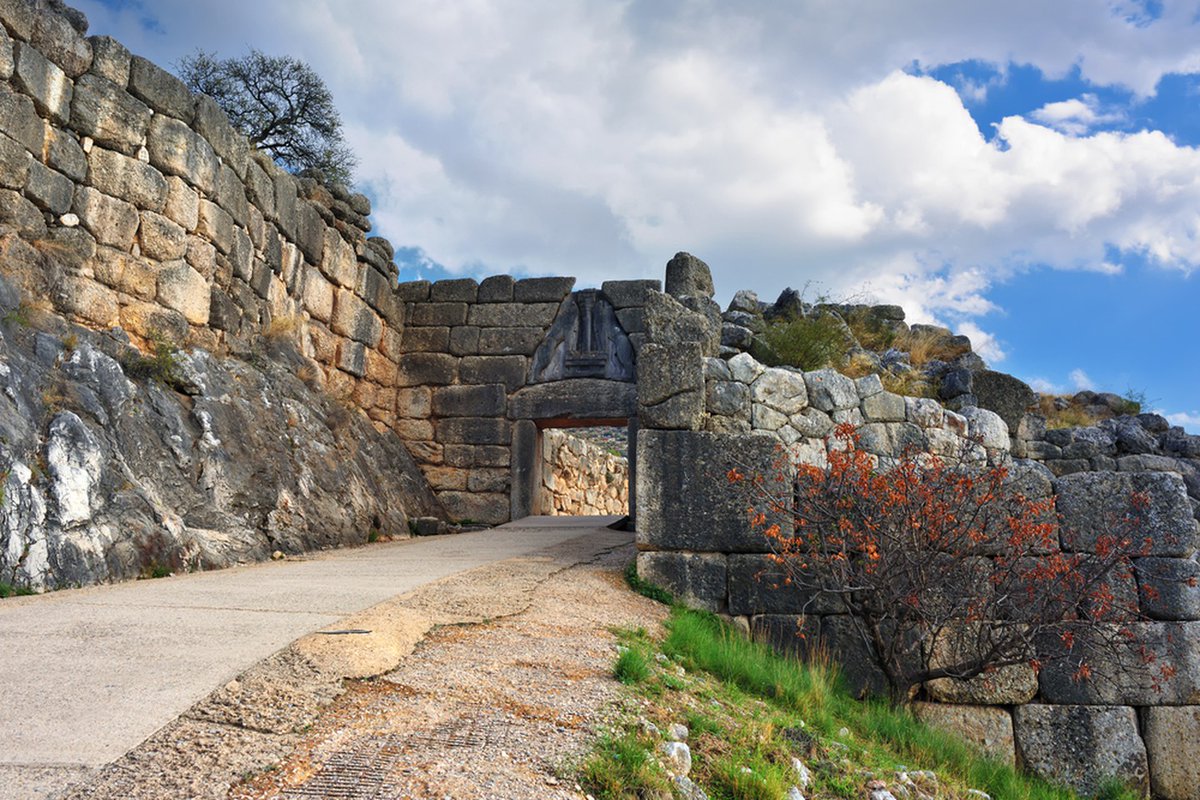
x,y
1080,380
596,139
1187,419
1076,116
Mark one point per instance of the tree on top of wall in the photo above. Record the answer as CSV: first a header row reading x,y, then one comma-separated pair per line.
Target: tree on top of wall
x,y
280,104
948,568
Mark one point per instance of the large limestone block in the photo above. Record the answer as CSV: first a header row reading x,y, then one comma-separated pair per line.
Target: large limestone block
x,y
318,296
1138,663
665,371
22,215
63,154
491,508
178,150
796,635
1081,746
671,386
695,579
310,235
43,81
688,276
113,222
686,499
162,239
1172,736
185,290
19,119
354,319
1002,393
427,369
987,428
127,179
89,300
260,189
668,322
1094,504
6,55
461,290
781,390
829,390
213,124
469,401
496,289
54,36
510,341
1169,588
727,398
472,430
758,585
231,195
14,164
629,294
150,320
883,406
574,398
339,263
110,60
215,224
988,728
125,272
542,290
508,370
17,18
49,190
511,315
102,110
159,89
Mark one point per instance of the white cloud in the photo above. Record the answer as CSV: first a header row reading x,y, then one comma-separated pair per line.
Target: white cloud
x,y
1080,380
1076,116
1190,420
1044,386
781,146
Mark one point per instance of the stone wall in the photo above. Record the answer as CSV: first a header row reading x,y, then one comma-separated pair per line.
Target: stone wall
x,y
702,416
485,366
165,222
580,478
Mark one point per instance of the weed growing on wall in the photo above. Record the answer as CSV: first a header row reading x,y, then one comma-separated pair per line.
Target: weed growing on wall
x,y
161,365
810,342
948,570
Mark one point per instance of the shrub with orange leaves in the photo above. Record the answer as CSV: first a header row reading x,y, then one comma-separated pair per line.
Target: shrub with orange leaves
x,y
949,568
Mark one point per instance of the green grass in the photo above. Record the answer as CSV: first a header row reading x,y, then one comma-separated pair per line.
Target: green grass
x,y
749,708
645,588
624,766
10,590
805,342
162,365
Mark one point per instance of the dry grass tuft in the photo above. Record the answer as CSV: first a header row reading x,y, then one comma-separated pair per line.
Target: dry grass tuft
x,y
925,346
282,328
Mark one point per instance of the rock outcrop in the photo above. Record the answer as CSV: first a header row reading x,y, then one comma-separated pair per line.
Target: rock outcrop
x,y
118,465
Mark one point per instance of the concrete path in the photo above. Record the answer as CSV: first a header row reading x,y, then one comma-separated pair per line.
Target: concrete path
x,y
86,675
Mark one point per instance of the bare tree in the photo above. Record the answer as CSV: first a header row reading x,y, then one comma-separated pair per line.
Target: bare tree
x,y
281,105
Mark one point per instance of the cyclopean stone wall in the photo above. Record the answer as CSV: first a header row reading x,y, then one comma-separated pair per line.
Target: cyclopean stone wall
x,y
162,220
702,416
581,478
486,367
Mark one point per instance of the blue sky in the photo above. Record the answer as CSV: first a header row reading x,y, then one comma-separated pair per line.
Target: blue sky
x,y
1026,173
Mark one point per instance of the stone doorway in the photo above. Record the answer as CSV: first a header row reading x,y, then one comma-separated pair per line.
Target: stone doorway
x,y
570,404
584,470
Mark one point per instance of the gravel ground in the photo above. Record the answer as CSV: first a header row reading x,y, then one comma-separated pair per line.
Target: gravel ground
x,y
503,682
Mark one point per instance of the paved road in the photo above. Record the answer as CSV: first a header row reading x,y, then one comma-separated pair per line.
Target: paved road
x,y
88,674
